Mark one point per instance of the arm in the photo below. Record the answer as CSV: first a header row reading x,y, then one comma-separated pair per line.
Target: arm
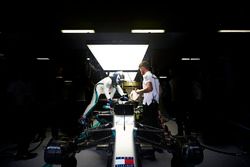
x,y
106,87
148,88
120,91
112,92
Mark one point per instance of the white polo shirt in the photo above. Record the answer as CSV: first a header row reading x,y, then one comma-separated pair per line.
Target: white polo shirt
x,y
154,94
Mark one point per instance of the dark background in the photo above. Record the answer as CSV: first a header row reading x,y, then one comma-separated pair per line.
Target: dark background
x,y
28,31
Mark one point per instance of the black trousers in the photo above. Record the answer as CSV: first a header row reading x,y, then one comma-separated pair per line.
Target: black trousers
x,y
182,111
25,128
150,115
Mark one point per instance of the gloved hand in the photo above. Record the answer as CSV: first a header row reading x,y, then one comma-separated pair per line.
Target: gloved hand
x,y
83,121
124,98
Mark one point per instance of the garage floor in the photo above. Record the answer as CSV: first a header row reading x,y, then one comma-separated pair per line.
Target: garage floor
x,y
94,158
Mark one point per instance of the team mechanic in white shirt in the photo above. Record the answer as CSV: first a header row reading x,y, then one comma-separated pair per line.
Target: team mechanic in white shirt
x,y
150,90
107,86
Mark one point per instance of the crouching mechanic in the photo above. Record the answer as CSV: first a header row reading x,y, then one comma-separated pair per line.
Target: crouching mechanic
x,y
108,86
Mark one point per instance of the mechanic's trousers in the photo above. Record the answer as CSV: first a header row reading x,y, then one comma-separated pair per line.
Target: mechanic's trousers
x,y
150,115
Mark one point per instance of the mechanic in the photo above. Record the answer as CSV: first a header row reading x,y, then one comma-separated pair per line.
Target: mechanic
x,y
107,86
150,90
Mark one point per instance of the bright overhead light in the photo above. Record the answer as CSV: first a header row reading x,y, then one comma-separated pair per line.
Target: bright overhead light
x,y
147,31
78,31
129,76
68,81
195,58
163,77
42,58
234,31
192,58
119,57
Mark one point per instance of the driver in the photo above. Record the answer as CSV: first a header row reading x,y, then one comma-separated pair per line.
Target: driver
x,y
108,86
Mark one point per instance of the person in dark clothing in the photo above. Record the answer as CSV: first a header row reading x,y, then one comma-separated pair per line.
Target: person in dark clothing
x,y
165,101
175,100
21,104
180,100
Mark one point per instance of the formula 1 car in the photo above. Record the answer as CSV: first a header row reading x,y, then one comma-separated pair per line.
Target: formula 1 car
x,y
125,140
